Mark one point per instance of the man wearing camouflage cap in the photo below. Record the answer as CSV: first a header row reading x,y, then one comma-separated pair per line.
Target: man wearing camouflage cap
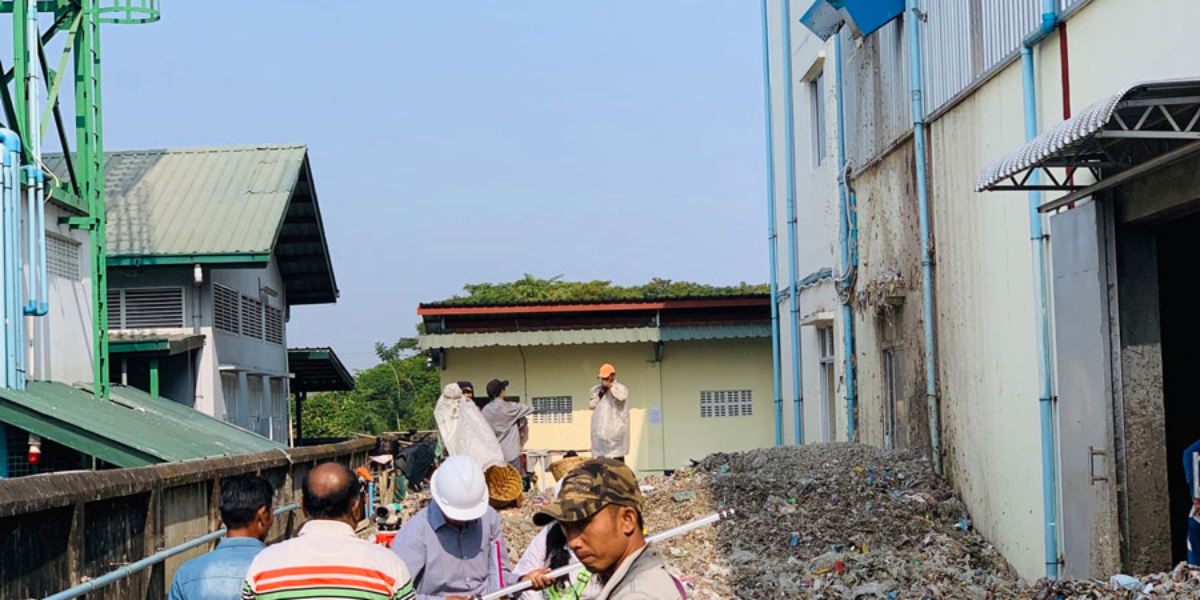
x,y
600,510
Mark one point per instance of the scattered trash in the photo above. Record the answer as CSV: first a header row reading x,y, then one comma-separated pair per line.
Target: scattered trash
x,y
685,496
1122,580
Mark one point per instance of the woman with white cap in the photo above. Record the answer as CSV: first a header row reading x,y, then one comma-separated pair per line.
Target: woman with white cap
x,y
548,550
455,548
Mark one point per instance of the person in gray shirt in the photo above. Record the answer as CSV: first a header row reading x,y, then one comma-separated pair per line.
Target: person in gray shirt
x,y
507,419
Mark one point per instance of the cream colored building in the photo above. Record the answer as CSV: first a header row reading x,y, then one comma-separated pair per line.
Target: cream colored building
x,y
698,371
1120,335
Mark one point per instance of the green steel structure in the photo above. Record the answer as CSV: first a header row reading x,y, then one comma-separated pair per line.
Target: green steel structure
x,y
82,191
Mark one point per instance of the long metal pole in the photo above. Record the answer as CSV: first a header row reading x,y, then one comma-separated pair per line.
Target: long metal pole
x,y
844,242
128,570
789,124
772,236
1041,317
918,118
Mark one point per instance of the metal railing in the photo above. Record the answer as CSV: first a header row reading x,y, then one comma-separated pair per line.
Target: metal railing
x,y
128,570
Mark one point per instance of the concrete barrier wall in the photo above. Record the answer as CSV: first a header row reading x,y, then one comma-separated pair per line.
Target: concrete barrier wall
x,y
59,530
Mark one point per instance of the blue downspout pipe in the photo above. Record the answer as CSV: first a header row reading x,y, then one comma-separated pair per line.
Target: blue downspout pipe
x,y
789,124
43,307
1045,399
844,242
34,179
918,117
8,319
772,236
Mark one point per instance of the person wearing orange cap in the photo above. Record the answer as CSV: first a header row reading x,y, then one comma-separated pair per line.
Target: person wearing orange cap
x,y
610,416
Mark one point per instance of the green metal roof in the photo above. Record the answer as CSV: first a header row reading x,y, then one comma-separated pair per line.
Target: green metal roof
x,y
121,342
231,206
318,370
629,335
133,429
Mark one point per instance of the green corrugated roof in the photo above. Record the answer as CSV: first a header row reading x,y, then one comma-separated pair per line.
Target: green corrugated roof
x,y
629,335
132,429
230,205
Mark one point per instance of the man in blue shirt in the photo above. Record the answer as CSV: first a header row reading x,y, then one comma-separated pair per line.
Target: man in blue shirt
x,y
1193,530
246,513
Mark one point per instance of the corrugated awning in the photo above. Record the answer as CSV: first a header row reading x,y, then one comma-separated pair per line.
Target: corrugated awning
x,y
567,337
318,370
123,342
132,429
1150,123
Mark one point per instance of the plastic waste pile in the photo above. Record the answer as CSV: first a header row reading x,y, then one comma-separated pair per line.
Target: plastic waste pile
x,y
839,522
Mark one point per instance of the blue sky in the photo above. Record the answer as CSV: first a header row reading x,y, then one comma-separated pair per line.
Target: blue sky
x,y
457,141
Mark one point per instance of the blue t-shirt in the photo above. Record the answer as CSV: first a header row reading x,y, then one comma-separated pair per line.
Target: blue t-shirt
x,y
1187,466
217,575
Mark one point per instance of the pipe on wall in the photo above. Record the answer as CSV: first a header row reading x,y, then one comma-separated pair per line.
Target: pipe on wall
x,y
772,236
846,278
11,148
789,124
918,117
1041,317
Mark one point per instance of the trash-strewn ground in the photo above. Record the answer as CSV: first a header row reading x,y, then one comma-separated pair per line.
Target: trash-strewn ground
x,y
839,522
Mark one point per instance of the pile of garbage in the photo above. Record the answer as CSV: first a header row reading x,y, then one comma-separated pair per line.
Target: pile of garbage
x,y
838,521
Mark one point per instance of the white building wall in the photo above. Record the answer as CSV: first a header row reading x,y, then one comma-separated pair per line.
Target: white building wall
x,y
60,343
816,219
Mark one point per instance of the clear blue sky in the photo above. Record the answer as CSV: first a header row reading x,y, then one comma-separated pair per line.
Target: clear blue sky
x,y
457,141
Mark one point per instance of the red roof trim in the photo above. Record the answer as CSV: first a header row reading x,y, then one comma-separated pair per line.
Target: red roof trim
x,y
433,311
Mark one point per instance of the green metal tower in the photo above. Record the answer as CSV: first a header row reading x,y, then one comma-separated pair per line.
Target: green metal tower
x,y
82,189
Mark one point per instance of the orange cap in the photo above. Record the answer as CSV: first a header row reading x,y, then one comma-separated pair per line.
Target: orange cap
x,y
364,474
606,371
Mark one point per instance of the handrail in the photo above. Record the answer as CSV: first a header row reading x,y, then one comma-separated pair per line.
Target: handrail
x,y
128,570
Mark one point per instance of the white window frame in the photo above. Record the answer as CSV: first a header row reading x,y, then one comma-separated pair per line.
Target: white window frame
x,y
890,385
825,342
820,119
716,404
553,410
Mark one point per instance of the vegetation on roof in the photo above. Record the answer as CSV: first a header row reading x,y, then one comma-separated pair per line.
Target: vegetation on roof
x,y
532,290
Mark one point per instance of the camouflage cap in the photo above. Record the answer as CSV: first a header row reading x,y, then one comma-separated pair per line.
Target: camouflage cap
x,y
590,487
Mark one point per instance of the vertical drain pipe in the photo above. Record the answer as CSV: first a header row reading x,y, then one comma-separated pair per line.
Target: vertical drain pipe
x,y
918,117
789,124
11,186
844,241
1045,399
772,236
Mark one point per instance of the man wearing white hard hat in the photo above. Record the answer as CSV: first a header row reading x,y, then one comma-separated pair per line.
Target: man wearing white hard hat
x,y
454,548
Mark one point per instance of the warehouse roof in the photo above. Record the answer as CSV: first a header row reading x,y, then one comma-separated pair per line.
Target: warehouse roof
x,y
568,337
132,429
229,206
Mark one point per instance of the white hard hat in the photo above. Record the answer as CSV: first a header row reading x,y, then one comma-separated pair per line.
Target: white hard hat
x,y
459,489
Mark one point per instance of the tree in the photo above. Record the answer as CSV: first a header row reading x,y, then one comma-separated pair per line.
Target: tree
x,y
530,289
397,394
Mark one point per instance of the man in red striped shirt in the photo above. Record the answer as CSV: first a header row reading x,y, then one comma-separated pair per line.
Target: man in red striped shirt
x,y
327,560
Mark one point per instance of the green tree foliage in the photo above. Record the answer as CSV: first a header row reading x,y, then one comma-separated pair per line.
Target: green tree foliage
x,y
397,394
531,289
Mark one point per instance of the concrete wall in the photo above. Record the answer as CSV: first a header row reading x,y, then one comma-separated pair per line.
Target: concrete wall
x,y
55,530
670,387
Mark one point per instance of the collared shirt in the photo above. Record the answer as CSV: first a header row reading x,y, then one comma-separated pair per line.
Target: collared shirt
x,y
327,560
504,417
447,561
217,575
643,576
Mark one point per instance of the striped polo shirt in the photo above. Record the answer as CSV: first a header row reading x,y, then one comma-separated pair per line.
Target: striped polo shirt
x,y
327,560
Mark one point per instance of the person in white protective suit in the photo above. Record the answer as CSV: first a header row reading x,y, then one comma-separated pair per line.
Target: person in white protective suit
x,y
609,402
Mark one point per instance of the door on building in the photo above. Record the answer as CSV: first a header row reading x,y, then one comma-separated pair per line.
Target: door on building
x,y
1178,251
1087,514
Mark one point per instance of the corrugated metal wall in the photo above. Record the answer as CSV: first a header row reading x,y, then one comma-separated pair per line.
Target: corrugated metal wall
x,y
961,42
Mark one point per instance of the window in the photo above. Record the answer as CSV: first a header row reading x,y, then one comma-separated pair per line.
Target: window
x,y
889,397
229,390
726,403
279,410
226,309
274,325
260,406
145,308
556,409
828,382
62,256
252,317
816,91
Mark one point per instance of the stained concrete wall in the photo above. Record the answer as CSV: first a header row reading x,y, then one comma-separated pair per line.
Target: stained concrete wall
x,y
60,343
56,530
